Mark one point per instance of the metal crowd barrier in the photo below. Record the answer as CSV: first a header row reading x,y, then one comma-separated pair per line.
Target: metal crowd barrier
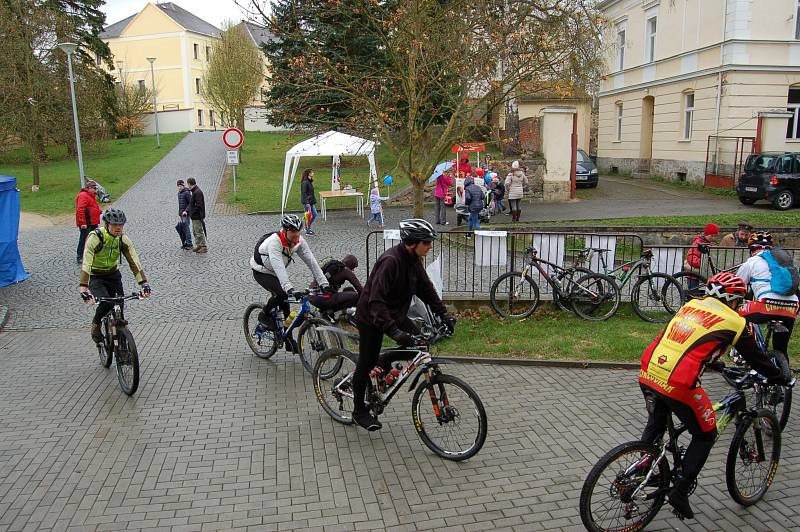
x,y
468,267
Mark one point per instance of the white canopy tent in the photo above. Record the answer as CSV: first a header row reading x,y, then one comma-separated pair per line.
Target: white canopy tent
x,y
328,144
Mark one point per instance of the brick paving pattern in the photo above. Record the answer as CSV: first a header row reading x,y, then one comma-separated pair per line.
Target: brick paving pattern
x,y
218,439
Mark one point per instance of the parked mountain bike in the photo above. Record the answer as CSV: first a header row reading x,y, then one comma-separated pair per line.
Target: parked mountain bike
x,y
118,343
655,296
773,397
593,296
453,425
628,485
310,341
693,282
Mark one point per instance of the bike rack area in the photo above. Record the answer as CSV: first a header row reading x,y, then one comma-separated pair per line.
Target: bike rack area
x,y
468,266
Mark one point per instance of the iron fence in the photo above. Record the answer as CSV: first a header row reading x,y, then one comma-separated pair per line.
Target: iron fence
x,y
469,266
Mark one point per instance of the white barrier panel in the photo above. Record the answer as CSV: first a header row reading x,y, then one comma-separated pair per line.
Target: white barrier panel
x,y
550,248
602,242
667,260
393,236
491,248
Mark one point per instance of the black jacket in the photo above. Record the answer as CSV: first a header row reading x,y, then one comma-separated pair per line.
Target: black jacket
x,y
197,204
396,277
307,193
184,198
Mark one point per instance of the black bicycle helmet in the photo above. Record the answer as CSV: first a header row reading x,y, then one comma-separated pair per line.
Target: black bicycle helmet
x,y
114,216
760,240
292,222
416,230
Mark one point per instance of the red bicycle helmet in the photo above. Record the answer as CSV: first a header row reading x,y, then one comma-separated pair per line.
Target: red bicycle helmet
x,y
726,286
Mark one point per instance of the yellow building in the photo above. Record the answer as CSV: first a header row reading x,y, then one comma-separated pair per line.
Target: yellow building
x,y
181,44
681,71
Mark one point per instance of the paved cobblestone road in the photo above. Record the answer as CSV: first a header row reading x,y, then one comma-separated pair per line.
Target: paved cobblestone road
x,y
217,439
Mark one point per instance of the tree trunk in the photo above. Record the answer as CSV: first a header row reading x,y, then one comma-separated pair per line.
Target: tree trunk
x,y
419,197
35,164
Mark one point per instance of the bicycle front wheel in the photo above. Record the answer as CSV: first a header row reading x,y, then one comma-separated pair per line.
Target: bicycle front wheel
x,y
312,342
127,361
691,283
753,457
333,383
263,343
106,348
595,297
609,498
514,296
450,420
656,297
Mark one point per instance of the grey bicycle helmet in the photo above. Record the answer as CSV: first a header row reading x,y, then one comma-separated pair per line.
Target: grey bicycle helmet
x,y
416,230
114,216
292,222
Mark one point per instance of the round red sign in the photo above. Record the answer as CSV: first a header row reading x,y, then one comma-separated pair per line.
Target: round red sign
x,y
232,138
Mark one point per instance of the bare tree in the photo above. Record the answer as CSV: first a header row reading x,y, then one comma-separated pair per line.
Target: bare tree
x,y
439,67
234,75
131,102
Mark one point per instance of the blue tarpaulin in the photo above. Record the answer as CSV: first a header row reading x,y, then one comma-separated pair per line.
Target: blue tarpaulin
x,y
11,269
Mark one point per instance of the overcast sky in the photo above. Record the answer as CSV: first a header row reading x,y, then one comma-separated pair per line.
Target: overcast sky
x,y
213,11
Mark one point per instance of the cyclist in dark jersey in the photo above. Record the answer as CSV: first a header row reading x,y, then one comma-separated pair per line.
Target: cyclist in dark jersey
x,y
672,365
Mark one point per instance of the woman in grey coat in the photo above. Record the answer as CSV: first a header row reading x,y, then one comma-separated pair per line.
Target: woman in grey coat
x,y
515,183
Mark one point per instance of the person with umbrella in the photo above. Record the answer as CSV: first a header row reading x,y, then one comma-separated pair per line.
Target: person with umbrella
x,y
443,183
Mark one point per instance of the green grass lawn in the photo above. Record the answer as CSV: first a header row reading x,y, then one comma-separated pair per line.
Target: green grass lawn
x,y
117,165
259,177
759,218
555,335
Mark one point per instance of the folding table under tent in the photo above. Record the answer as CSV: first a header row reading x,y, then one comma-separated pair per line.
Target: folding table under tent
x,y
329,144
11,269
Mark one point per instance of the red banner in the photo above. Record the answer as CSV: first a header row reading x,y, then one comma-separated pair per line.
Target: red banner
x,y
469,147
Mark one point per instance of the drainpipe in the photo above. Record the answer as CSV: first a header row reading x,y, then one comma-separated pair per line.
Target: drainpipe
x,y
719,83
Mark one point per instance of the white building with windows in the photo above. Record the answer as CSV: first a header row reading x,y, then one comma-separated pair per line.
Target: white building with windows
x,y
681,71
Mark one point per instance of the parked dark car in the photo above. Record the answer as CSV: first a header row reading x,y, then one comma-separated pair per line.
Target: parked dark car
x,y
774,177
585,171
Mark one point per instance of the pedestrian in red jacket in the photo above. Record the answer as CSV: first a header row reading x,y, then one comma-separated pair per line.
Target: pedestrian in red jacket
x,y
87,214
699,246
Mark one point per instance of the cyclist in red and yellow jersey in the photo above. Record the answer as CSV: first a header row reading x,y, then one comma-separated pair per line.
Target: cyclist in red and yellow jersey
x,y
672,365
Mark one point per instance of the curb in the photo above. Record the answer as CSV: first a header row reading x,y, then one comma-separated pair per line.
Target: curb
x,y
575,364
3,316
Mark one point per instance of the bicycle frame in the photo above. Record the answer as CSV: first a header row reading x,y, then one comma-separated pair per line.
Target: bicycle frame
x,y
559,272
627,268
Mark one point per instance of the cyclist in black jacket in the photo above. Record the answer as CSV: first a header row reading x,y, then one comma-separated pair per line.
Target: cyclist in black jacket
x,y
383,305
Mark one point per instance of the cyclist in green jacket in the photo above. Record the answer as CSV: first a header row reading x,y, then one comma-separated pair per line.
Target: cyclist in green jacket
x,y
100,275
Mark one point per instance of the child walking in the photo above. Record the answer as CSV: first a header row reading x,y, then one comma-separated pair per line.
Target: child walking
x,y
375,207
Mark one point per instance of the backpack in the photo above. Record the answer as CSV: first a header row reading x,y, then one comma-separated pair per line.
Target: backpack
x,y
331,267
256,255
784,276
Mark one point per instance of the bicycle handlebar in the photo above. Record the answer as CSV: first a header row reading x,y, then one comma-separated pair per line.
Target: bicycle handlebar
x,y
742,378
134,295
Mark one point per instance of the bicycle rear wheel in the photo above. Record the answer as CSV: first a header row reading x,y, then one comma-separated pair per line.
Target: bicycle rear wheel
x,y
607,499
656,297
263,343
514,296
753,457
312,342
334,389
595,297
450,420
106,348
127,361
776,398
691,283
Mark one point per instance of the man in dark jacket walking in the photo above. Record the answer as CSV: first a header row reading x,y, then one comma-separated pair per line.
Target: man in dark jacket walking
x,y
474,200
184,227
383,306
197,213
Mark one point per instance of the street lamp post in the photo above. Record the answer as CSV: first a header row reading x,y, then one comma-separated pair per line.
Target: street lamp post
x,y
69,48
155,109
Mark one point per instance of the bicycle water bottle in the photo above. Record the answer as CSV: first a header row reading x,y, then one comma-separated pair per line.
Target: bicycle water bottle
x,y
392,375
290,319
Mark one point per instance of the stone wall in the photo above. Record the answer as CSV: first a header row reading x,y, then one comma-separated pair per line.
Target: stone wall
x,y
530,135
690,171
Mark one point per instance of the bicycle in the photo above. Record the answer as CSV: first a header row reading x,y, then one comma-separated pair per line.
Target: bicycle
x,y
450,430
773,397
693,282
594,296
312,338
118,343
655,296
630,482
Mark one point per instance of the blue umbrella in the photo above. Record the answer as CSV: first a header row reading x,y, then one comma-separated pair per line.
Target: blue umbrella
x,y
439,170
